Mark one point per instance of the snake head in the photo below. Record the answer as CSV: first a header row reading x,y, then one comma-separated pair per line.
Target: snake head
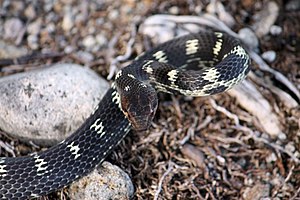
x,y
139,105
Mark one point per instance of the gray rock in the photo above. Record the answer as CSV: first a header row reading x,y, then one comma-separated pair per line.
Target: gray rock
x,y
105,182
47,105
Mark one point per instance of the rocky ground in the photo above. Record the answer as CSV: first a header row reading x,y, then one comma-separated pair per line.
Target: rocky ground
x,y
202,148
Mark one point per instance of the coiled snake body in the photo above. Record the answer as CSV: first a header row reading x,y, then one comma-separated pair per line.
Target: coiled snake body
x,y
197,65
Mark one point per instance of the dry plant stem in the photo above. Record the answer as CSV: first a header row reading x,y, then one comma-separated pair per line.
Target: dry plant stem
x,y
203,20
33,144
265,141
251,133
31,57
284,97
7,148
111,51
204,124
113,66
289,174
128,47
224,111
253,101
280,77
190,132
295,197
161,180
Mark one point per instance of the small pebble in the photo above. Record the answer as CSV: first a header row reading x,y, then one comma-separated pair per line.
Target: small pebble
x,y
32,41
48,5
91,30
68,49
194,154
275,30
30,12
282,136
51,27
174,10
34,28
16,7
242,162
249,38
221,160
113,14
271,158
8,51
269,56
105,182
101,40
89,41
68,21
290,147
258,191
12,28
85,57
80,18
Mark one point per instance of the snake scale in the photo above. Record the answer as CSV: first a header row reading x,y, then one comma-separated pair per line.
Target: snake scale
x,y
199,64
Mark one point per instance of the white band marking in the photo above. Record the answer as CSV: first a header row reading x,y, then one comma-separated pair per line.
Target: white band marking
x,y
191,46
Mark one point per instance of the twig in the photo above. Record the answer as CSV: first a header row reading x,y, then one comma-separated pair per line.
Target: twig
x,y
33,144
7,148
110,53
27,58
225,111
265,141
115,61
161,180
278,76
190,132
296,194
206,121
289,174
128,47
246,129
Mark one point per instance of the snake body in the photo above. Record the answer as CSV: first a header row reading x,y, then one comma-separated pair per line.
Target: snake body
x,y
197,65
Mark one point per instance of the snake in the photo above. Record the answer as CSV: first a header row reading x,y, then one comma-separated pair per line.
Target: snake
x,y
196,64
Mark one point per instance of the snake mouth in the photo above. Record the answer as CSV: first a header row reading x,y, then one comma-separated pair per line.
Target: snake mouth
x,y
140,124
